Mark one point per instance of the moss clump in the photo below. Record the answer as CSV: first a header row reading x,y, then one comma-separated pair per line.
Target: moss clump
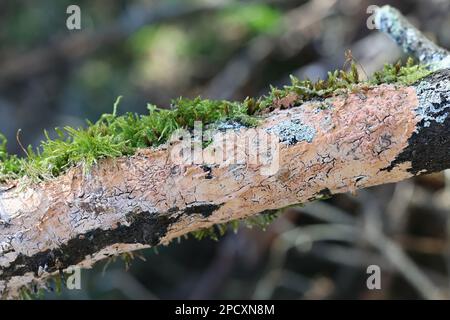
x,y
340,80
215,232
114,136
306,90
10,165
401,74
31,292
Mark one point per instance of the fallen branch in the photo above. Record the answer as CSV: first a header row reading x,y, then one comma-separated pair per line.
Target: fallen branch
x,y
369,136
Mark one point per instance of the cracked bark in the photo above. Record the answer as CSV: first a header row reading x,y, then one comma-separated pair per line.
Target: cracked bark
x,y
372,136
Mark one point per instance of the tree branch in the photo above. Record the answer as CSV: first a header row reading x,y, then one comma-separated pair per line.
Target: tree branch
x,y
370,136
394,24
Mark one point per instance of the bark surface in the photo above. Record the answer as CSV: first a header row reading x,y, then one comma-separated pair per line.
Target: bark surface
x,y
373,136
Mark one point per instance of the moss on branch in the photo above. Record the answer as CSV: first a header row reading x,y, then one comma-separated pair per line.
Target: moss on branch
x,y
113,135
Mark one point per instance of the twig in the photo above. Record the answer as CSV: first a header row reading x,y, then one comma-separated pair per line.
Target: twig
x,y
396,255
393,23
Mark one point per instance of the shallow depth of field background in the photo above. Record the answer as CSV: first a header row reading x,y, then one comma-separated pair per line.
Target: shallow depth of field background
x,y
154,51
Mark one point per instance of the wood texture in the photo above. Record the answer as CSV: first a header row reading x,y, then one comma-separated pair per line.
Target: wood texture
x,y
371,136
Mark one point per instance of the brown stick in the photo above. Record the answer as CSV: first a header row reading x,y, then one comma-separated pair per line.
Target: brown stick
x,y
377,135
372,136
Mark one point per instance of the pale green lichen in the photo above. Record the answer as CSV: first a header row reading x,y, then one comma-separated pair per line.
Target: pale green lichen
x,y
293,131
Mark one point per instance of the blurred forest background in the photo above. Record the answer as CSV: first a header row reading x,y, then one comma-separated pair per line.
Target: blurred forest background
x,y
155,51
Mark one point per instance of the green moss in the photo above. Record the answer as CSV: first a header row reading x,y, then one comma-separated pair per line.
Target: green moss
x,y
397,73
54,283
113,135
306,90
10,165
215,232
340,80
31,293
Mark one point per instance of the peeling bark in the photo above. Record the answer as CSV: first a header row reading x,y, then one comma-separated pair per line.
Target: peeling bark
x,y
369,137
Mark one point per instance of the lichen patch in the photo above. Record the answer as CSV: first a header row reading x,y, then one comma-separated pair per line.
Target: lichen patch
x,y
293,131
434,100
